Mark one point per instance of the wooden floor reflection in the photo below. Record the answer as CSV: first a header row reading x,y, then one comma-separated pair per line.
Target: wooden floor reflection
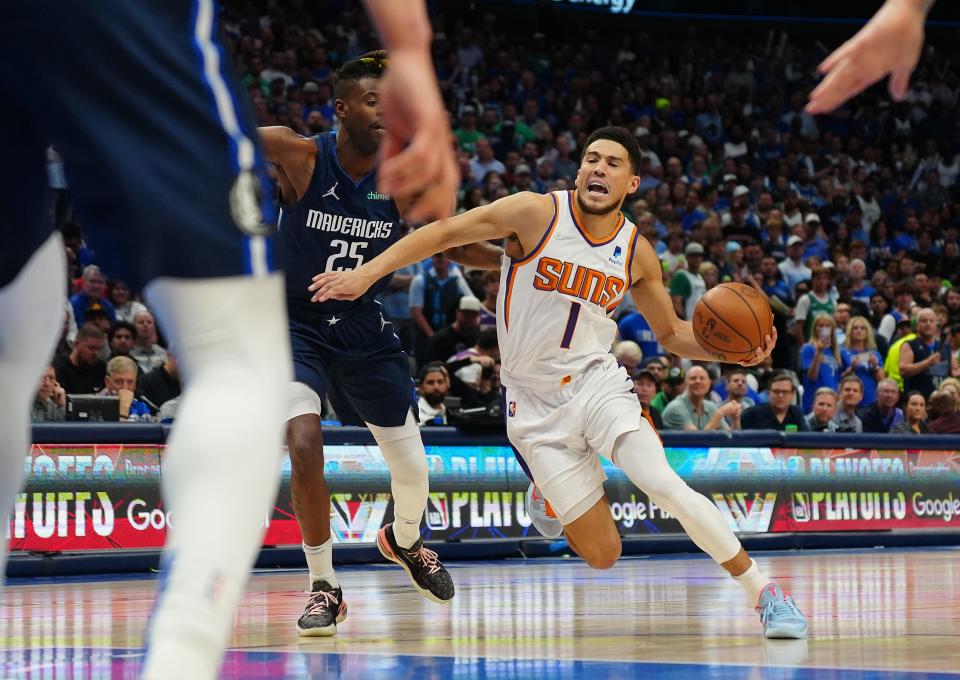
x,y
879,610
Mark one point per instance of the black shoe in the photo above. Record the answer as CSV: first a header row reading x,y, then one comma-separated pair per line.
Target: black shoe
x,y
325,609
423,567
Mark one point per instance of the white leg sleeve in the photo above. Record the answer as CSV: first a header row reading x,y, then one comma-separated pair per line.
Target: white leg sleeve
x,y
31,309
222,465
406,458
641,456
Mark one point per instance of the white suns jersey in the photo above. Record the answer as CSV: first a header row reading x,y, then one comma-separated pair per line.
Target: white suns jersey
x,y
554,309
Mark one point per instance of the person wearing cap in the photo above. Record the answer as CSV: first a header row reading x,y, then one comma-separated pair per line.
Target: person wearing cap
x,y
645,387
814,244
725,190
646,151
810,305
793,269
523,179
467,133
735,261
670,388
687,285
459,335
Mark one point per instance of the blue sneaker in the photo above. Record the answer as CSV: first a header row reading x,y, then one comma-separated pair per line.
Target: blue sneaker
x,y
780,616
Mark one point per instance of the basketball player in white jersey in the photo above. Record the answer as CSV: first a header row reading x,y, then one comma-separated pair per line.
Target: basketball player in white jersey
x,y
576,257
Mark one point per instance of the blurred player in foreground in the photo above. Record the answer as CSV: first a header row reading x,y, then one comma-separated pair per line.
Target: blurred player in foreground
x,y
165,170
889,45
567,400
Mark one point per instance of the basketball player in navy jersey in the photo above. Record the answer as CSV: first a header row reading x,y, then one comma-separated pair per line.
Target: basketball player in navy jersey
x,y
164,162
333,219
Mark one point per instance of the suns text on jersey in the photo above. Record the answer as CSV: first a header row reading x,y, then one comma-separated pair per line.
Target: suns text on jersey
x,y
578,281
348,226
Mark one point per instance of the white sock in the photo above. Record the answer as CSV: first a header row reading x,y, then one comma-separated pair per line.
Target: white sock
x,y
31,307
753,582
320,563
223,460
641,456
403,451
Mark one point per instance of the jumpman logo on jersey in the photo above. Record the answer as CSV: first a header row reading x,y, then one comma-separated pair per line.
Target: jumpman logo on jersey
x,y
384,323
332,321
332,191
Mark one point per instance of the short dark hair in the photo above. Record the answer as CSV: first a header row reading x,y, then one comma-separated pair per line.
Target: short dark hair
x,y
487,339
849,379
914,393
88,331
780,377
117,325
622,137
367,65
433,367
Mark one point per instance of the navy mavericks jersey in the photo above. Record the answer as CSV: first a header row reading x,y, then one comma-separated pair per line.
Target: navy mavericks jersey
x,y
337,225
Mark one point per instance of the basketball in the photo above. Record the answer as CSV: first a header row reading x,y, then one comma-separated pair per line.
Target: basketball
x,y
731,321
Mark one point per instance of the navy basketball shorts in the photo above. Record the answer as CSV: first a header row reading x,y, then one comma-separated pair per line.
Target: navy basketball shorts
x,y
160,149
356,359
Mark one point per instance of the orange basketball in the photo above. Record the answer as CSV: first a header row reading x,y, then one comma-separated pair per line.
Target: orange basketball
x,y
732,320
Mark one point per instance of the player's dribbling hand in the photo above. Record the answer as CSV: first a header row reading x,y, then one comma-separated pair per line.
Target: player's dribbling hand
x,y
347,285
417,157
889,44
762,353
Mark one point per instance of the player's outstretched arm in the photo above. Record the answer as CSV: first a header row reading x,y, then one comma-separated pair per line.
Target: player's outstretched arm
x,y
283,146
483,255
653,301
889,44
525,214
417,151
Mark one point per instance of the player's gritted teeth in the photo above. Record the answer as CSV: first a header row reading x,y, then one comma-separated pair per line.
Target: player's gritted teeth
x,y
597,189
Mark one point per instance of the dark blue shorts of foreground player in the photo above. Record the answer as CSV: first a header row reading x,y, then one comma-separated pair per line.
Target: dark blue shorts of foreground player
x,y
159,146
356,358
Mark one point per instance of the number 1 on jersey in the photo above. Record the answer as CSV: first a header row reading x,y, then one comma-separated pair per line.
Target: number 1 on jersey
x,y
571,324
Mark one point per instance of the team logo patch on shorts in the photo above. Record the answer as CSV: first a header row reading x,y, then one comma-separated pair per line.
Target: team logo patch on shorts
x,y
512,409
246,205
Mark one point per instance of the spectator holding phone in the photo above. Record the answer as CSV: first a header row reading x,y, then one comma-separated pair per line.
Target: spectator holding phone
x,y
860,357
820,359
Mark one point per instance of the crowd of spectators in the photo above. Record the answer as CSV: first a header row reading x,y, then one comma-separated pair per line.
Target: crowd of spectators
x,y
848,223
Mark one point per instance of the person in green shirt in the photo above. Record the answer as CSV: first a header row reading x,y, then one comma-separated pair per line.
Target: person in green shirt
x,y
673,386
468,134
